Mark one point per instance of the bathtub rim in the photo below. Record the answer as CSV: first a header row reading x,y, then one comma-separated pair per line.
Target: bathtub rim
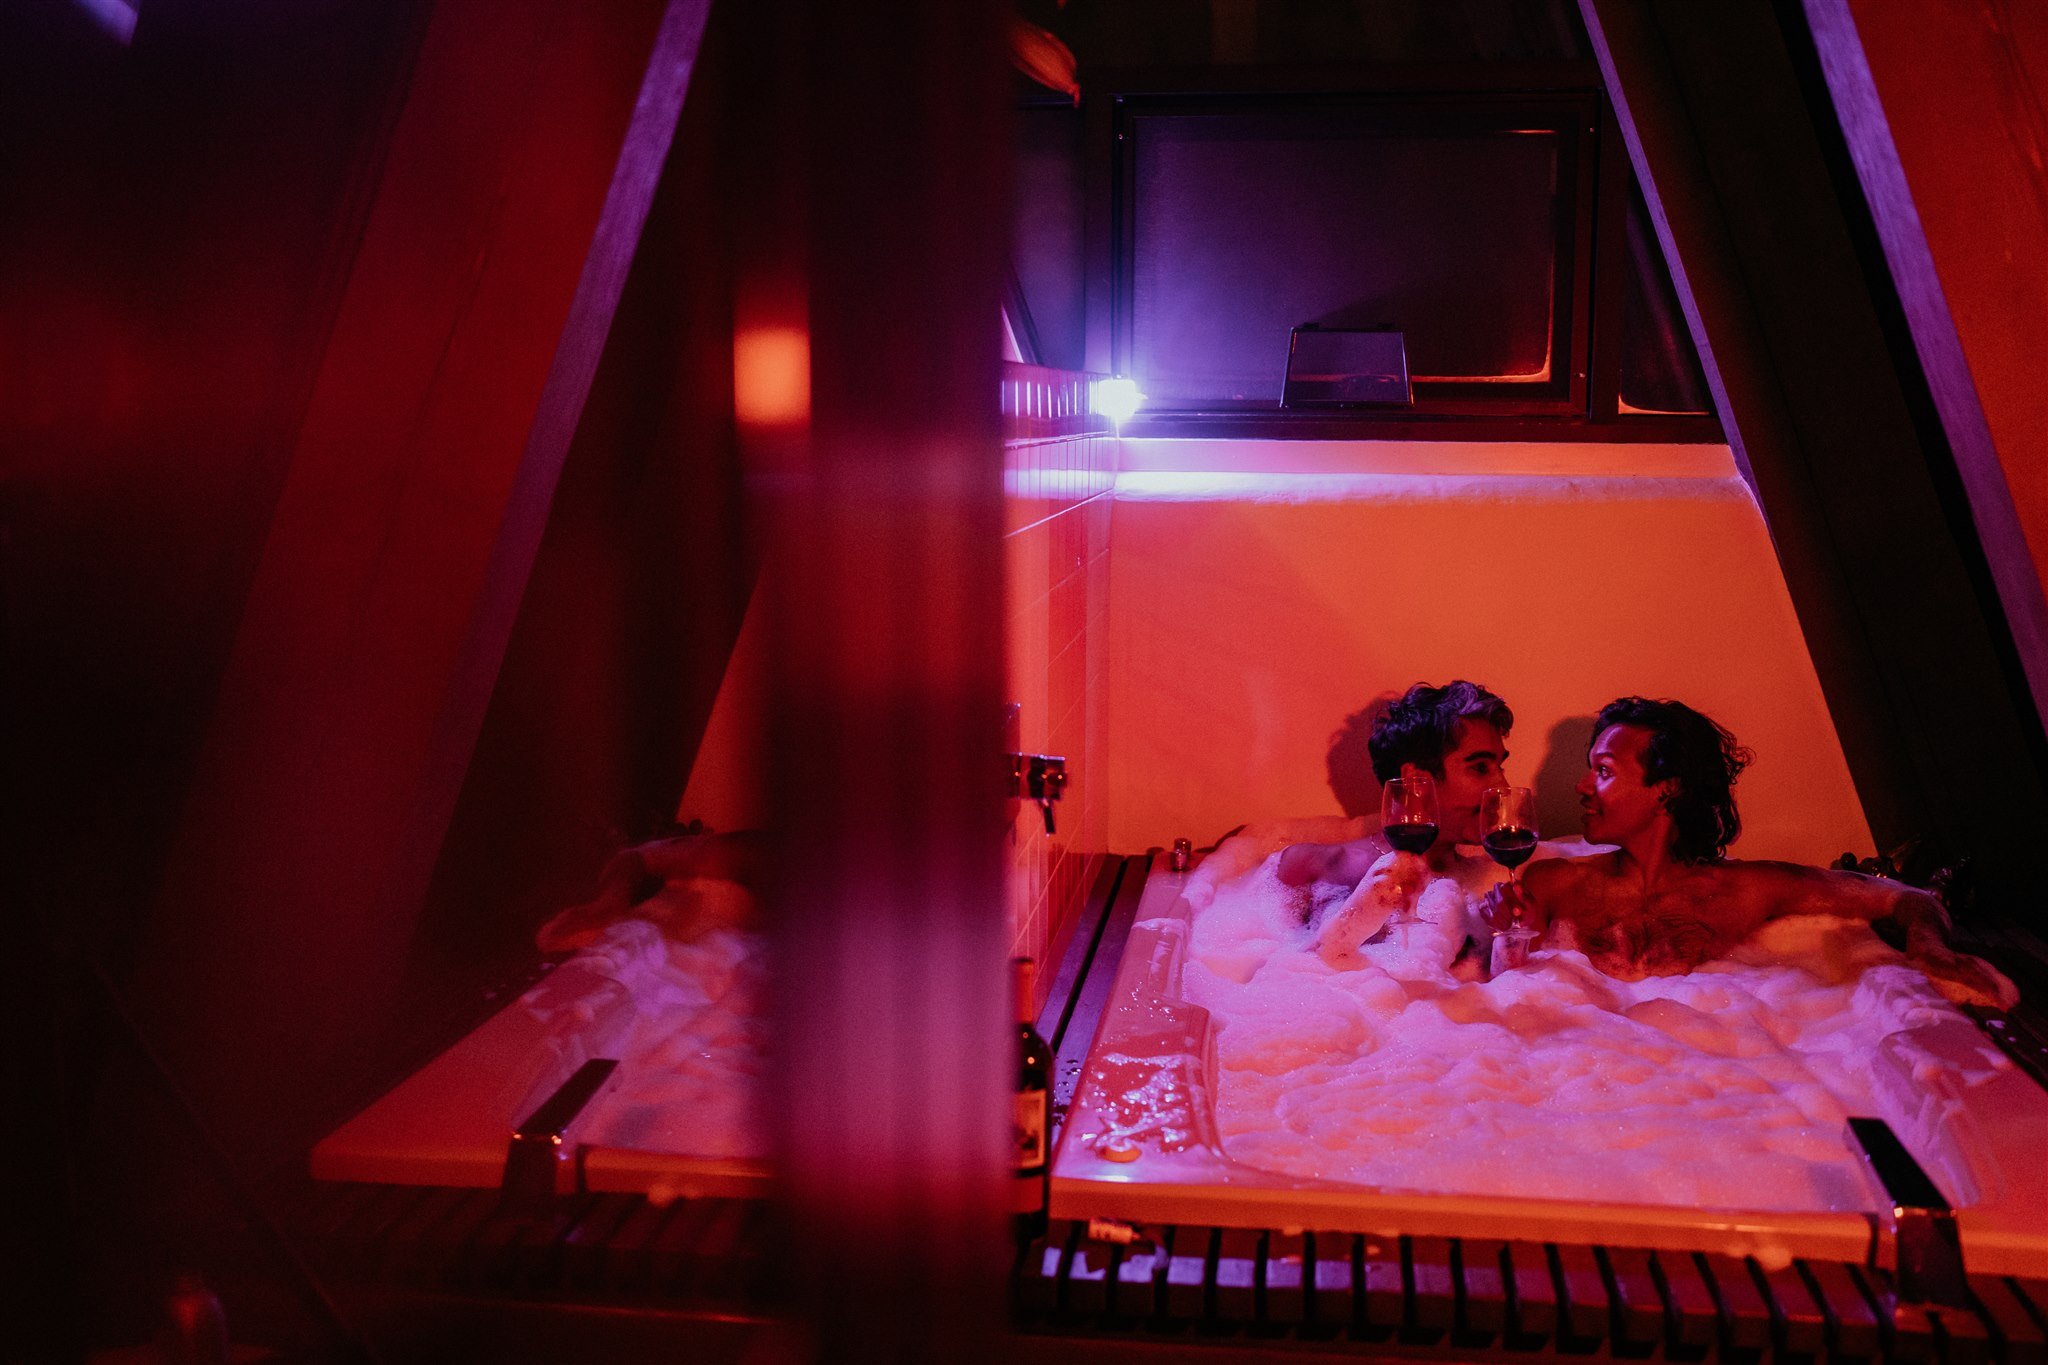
x,y
2004,1233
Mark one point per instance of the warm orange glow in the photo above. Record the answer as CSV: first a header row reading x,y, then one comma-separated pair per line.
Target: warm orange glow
x,y
771,376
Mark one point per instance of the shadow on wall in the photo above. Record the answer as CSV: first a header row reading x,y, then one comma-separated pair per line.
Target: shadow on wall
x,y
1556,778
1349,762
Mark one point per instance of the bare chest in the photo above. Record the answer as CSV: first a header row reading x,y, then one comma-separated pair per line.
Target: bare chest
x,y
1628,934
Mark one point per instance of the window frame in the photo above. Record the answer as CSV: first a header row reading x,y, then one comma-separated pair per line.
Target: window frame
x,y
1580,403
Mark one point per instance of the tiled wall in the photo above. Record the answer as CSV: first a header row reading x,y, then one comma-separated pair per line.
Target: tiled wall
x,y
1059,462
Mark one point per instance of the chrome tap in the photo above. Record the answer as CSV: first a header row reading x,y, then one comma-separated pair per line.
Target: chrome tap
x,y
1041,778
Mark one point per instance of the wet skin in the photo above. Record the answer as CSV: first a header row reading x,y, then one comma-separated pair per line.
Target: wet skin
x,y
1475,763
1638,911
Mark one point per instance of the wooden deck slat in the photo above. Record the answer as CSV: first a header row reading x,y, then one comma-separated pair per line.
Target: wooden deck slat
x,y
358,1244
2024,1340
1283,1292
1134,1290
1038,1272
626,1259
1187,1273
1433,1289
1583,1313
2022,1337
583,1246
1913,1334
1236,1275
1640,1310
711,1262
1535,1295
535,1256
2033,1293
1965,1337
671,1255
1796,1318
485,1259
1852,1325
1745,1316
437,1257
1483,1294
1696,1319
1087,1278
1333,1300
1387,1305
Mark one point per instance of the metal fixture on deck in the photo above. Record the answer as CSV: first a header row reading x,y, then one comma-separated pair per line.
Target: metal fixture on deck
x,y
1182,857
1929,1252
1038,777
539,1153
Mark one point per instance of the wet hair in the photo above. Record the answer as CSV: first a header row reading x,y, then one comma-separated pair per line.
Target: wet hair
x,y
1422,726
1701,758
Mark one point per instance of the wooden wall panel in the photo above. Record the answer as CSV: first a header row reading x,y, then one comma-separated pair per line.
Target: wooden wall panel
x,y
1942,109
1815,376
472,318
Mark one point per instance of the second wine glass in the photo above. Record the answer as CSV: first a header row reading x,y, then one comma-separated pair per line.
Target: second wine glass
x,y
1507,821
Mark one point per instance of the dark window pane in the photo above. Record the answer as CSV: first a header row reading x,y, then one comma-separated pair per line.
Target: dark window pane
x,y
1046,230
1248,225
1660,371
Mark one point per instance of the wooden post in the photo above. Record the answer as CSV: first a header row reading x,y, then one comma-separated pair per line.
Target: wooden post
x,y
882,496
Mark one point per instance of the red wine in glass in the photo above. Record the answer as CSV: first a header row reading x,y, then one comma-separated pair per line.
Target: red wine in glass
x,y
1408,819
1507,815
1510,847
1412,836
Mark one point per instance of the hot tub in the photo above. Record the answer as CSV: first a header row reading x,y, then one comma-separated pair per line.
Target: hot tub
x,y
663,1124
1975,1128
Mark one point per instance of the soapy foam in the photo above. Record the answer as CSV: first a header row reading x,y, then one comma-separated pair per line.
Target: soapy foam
x,y
691,1060
1728,1087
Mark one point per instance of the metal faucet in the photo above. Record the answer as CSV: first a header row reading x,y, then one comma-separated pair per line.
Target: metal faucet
x,y
1041,778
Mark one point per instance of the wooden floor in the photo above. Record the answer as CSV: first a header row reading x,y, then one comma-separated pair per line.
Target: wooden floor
x,y
427,1271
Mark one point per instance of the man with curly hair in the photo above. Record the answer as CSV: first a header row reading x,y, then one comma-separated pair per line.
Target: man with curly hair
x,y
1659,785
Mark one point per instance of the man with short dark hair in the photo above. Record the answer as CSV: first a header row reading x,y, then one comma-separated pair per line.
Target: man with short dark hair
x,y
1458,735
1659,785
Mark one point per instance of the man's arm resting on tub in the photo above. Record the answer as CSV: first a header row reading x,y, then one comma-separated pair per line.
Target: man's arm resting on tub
x,y
1751,893
1905,916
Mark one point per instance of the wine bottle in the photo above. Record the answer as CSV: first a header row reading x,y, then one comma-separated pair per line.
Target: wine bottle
x,y
1032,1117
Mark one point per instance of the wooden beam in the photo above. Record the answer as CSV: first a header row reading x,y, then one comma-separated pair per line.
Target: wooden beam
x,y
1819,396
2012,564
506,212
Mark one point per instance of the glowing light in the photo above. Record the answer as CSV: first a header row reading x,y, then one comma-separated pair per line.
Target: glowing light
x,y
1116,399
771,376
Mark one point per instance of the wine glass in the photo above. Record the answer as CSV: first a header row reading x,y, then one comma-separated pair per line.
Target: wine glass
x,y
1408,818
1507,819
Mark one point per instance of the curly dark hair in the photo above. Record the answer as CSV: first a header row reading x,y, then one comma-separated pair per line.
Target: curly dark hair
x,y
1422,726
1703,758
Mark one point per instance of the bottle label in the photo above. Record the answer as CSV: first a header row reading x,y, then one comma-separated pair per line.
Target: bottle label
x,y
1028,1140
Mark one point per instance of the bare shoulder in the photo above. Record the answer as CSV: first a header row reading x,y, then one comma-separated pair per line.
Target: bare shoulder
x,y
1562,873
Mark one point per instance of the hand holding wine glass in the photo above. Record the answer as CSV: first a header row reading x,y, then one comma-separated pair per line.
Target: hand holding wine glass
x,y
1408,817
1507,817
